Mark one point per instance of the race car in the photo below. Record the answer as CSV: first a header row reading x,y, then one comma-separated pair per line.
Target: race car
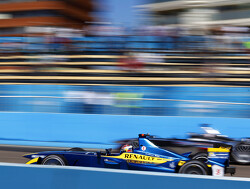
x,y
145,157
240,152
199,143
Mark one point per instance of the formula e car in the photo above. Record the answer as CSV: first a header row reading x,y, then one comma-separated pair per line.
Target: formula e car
x,y
145,157
199,143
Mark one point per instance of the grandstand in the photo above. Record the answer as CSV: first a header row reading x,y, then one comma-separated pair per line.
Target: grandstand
x,y
96,60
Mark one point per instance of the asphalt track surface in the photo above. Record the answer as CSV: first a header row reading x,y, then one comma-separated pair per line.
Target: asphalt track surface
x,y
14,154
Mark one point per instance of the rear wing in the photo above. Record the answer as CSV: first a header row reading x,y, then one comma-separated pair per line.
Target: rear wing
x,y
220,155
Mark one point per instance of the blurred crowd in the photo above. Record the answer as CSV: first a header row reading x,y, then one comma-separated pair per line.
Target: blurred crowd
x,y
140,50
119,39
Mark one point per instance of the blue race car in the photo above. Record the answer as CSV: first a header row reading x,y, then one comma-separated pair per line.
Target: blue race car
x,y
146,157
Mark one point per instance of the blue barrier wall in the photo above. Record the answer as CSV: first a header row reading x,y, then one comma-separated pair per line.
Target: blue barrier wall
x,y
100,131
41,177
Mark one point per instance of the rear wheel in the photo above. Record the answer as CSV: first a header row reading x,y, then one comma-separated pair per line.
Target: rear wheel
x,y
54,160
195,167
202,156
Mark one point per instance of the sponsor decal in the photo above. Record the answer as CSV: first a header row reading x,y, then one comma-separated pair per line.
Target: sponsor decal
x,y
218,155
172,165
143,148
37,156
211,154
140,162
217,170
139,158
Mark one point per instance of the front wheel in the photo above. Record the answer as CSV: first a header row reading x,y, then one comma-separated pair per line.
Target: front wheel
x,y
54,160
195,167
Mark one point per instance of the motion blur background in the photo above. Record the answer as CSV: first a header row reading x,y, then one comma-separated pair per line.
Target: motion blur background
x,y
185,58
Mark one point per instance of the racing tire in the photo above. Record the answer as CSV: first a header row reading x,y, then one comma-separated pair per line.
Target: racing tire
x,y
201,156
194,167
54,160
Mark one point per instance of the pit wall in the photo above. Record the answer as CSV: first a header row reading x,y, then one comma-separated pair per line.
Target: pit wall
x,y
100,131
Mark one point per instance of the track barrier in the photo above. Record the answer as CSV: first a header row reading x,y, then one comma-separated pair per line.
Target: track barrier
x,y
100,131
49,177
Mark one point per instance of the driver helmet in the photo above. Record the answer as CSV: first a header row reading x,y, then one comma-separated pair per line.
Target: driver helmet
x,y
126,148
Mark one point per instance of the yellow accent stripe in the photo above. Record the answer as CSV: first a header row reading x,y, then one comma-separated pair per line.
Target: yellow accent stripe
x,y
218,150
32,161
181,163
142,158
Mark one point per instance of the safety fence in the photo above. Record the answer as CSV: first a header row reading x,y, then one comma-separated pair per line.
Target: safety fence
x,y
40,177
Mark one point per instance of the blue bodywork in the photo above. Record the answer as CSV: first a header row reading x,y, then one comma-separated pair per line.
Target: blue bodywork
x,y
147,157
